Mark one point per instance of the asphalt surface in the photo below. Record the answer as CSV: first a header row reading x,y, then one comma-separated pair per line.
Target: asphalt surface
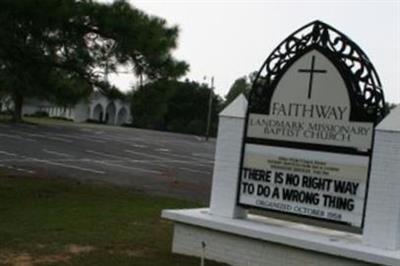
x,y
151,161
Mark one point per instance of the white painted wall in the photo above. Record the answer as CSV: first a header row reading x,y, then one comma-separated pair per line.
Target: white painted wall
x,y
30,109
382,220
227,160
80,112
85,110
242,251
110,109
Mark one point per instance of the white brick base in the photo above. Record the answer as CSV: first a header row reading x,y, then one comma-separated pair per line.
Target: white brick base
x,y
262,241
382,220
241,251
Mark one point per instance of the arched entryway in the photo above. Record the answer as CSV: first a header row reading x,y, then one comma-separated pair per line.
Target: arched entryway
x,y
110,114
122,116
98,113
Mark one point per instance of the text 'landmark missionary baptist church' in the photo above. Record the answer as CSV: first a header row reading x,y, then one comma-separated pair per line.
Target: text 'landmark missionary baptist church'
x,y
302,168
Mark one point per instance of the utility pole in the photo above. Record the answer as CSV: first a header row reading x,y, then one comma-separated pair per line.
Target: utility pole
x,y
104,116
140,80
209,109
106,71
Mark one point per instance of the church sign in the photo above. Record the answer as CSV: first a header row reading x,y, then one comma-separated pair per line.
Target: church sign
x,y
309,128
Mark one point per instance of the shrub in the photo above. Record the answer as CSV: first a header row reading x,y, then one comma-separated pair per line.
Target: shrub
x,y
39,114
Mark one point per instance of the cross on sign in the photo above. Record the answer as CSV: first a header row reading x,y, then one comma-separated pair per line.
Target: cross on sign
x,y
312,70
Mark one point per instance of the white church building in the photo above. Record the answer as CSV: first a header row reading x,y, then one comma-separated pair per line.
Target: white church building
x,y
98,108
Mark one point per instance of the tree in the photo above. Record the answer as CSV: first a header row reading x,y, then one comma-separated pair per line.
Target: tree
x,y
240,85
56,49
174,106
389,107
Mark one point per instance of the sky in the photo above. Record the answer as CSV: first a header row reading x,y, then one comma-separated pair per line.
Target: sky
x,y
230,39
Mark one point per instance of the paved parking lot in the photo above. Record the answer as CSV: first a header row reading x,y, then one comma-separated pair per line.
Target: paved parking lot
x,y
163,163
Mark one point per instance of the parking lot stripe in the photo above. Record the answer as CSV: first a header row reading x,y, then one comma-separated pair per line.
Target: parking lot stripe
x,y
123,166
106,155
196,159
145,154
16,137
194,171
162,150
89,138
69,166
8,153
56,153
18,169
173,160
49,137
138,145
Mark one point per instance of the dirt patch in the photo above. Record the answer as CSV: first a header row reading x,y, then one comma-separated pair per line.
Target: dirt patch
x,y
51,259
25,259
40,246
79,249
13,258
20,260
132,252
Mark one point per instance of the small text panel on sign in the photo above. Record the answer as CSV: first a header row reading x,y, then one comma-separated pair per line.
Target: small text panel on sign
x,y
318,184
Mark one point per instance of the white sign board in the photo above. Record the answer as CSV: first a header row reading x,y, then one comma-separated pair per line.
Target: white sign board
x,y
306,156
317,184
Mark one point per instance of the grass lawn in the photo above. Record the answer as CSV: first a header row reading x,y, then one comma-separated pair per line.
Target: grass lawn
x,y
5,118
52,121
37,120
64,222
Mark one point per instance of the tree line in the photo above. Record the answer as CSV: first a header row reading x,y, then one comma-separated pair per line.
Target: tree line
x,y
178,106
62,50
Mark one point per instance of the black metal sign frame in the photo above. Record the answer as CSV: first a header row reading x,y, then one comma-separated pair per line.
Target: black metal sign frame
x,y
361,79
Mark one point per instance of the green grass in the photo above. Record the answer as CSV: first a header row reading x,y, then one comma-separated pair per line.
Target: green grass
x,y
5,118
63,222
37,120
46,120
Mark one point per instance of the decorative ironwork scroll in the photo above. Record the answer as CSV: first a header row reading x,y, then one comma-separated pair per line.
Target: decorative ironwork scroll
x,y
367,95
